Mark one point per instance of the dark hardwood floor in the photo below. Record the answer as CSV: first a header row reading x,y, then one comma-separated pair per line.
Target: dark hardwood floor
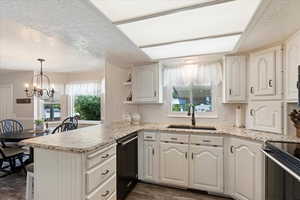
x,y
13,188
153,192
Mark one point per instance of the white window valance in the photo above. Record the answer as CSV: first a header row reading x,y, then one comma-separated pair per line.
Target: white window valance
x,y
197,74
84,88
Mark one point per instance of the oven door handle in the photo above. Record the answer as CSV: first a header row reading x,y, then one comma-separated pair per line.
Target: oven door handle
x,y
128,141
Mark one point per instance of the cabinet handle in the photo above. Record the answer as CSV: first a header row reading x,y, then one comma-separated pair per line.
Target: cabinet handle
x,y
232,149
155,93
149,137
185,155
106,172
206,141
230,91
106,156
173,138
153,151
252,112
105,194
270,83
192,156
252,90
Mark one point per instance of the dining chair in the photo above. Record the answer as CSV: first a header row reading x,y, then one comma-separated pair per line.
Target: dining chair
x,y
67,126
10,155
8,126
73,120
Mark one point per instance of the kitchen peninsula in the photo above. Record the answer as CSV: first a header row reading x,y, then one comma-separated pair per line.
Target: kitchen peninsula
x,y
81,164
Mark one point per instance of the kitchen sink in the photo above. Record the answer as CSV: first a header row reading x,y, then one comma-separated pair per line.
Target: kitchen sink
x,y
211,128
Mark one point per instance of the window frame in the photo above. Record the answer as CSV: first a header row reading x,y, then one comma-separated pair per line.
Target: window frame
x,y
42,109
213,114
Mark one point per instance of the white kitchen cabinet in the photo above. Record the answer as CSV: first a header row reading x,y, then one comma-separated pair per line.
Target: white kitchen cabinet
x,y
147,84
206,168
174,164
265,116
246,170
150,164
292,59
265,81
234,79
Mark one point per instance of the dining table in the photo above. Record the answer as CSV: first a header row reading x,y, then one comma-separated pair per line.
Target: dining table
x,y
23,135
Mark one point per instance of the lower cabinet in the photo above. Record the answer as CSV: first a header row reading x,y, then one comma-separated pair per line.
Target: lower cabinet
x,y
206,168
150,166
246,170
174,164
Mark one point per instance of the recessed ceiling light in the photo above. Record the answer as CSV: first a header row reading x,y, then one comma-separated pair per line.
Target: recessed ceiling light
x,y
191,48
117,10
215,20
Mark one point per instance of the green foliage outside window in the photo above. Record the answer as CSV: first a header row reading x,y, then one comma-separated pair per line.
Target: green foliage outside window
x,y
88,107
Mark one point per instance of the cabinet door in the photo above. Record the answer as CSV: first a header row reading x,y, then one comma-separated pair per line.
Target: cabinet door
x,y
206,168
150,161
145,84
292,63
174,164
266,74
248,171
234,79
265,116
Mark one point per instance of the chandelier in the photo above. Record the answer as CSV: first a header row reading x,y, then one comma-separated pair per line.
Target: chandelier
x,y
40,84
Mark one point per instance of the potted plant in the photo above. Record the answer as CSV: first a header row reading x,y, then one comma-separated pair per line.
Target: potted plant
x,y
39,125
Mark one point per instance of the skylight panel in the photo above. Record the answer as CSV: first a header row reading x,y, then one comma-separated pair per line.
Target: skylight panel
x,y
214,20
195,47
119,10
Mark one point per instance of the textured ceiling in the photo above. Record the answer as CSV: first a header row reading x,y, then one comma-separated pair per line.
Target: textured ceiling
x,y
81,33
274,22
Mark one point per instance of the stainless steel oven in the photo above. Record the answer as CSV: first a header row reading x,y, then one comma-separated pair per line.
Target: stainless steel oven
x,y
282,170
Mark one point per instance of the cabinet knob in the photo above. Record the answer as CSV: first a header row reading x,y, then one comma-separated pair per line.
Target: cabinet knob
x,y
252,112
105,194
232,149
106,172
252,90
105,156
270,83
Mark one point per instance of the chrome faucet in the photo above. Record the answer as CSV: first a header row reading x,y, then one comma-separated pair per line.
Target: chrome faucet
x,y
192,107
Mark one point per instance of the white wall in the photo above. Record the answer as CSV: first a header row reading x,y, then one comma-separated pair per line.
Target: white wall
x,y
159,113
23,112
116,93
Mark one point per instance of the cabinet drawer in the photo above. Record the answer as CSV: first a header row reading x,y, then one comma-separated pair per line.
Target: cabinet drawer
x,y
105,191
100,156
207,140
100,173
149,136
171,137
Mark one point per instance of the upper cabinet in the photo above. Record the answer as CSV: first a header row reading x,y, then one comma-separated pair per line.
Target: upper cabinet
x,y
147,84
234,76
265,81
265,116
292,58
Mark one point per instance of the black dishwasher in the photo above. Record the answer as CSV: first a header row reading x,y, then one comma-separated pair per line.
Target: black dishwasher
x,y
127,165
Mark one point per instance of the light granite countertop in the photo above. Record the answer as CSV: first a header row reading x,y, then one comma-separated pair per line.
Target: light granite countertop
x,y
94,137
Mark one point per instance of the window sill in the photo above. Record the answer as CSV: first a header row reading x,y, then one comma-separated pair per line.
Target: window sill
x,y
196,116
